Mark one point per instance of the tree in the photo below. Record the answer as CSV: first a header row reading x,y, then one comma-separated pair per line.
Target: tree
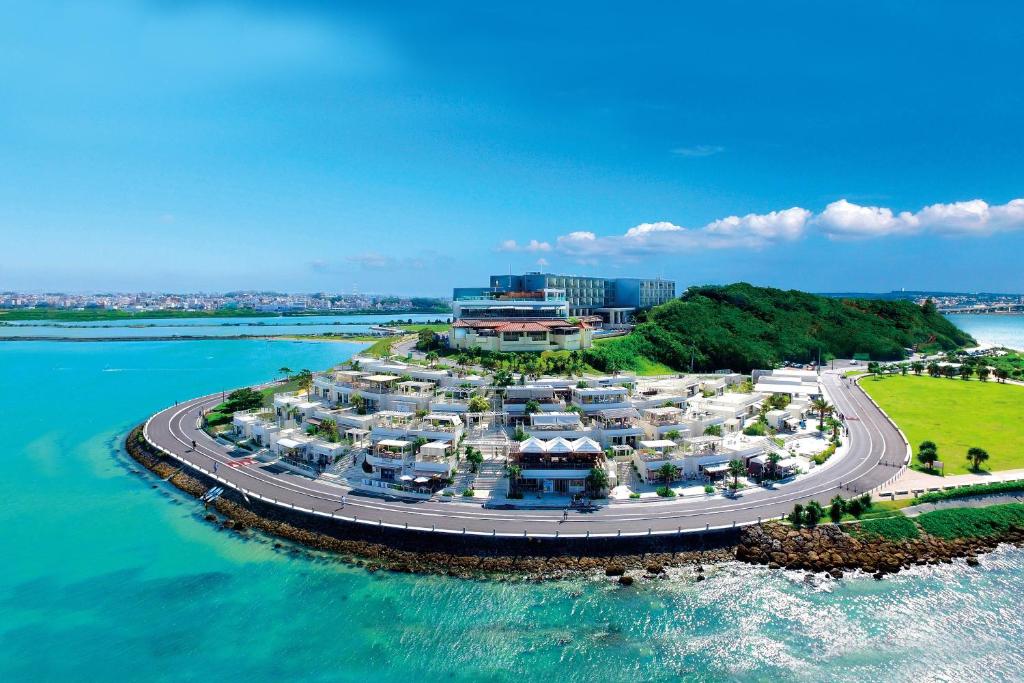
x,y
934,369
966,371
474,457
773,460
813,512
984,373
713,430
503,378
927,454
359,403
833,424
976,456
796,517
597,480
532,407
285,370
431,357
514,472
426,339
855,507
822,407
478,404
949,371
305,381
672,434
242,399
736,468
667,472
1001,374
328,430
917,367
836,511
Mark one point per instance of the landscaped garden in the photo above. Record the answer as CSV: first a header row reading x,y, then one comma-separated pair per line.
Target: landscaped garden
x,y
956,416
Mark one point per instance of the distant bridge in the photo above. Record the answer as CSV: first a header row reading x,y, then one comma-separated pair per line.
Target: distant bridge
x,y
992,308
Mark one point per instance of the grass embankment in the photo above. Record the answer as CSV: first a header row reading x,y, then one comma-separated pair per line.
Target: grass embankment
x,y
972,522
951,523
956,415
895,527
972,490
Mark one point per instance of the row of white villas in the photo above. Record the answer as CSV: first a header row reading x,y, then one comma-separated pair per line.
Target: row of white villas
x,y
410,421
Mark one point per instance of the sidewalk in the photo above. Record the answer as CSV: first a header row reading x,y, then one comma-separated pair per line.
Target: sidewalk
x,y
912,482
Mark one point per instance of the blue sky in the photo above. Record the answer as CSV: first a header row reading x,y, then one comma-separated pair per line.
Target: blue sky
x,y
310,146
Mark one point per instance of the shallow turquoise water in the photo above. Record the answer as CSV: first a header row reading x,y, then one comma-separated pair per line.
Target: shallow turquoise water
x,y
1004,330
105,578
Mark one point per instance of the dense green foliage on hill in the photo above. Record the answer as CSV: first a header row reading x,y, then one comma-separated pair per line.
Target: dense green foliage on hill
x,y
742,327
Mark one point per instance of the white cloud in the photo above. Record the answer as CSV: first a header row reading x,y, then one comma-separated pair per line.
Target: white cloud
x,y
844,219
698,151
543,262
532,245
841,219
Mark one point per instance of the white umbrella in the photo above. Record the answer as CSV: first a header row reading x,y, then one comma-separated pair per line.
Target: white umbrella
x,y
405,477
421,480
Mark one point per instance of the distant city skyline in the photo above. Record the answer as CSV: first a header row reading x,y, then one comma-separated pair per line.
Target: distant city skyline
x,y
407,149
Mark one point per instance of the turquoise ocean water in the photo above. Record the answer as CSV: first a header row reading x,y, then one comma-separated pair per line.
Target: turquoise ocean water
x,y
105,578
1002,330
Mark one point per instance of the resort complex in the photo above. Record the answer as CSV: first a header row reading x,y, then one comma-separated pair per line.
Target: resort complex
x,y
425,431
544,312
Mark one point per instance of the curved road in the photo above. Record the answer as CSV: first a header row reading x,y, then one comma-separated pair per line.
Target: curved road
x,y
877,452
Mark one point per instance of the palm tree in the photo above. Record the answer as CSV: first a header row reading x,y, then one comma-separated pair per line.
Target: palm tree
x,y
976,456
933,369
285,370
983,373
822,407
813,512
306,381
514,471
431,357
736,468
773,459
917,367
834,425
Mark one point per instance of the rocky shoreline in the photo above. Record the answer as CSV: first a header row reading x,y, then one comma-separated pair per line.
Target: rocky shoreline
x,y
441,556
826,549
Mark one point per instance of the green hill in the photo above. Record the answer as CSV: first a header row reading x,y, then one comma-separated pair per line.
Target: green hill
x,y
742,327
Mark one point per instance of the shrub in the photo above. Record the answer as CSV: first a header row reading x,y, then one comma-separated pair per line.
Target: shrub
x,y
214,418
468,493
665,492
634,495
756,429
708,488
820,458
855,507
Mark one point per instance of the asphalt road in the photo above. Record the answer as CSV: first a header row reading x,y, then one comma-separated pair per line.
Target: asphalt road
x,y
877,452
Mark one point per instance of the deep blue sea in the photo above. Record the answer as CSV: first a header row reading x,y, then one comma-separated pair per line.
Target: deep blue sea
x,y
105,578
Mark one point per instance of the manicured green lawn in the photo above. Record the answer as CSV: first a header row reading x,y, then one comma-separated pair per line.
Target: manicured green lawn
x,y
956,415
